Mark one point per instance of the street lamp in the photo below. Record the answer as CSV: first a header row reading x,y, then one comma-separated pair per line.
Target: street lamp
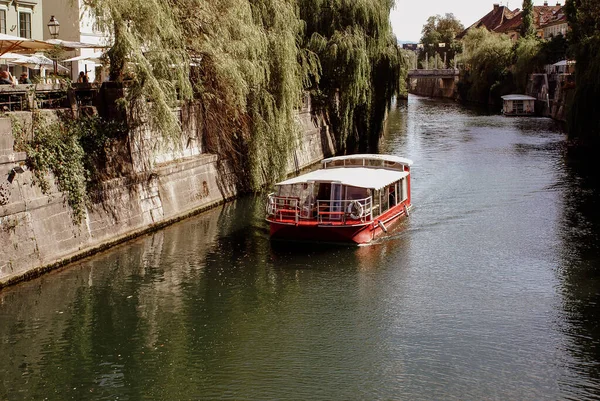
x,y
53,27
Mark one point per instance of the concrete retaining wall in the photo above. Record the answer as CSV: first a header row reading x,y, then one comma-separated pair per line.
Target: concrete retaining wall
x,y
36,229
432,86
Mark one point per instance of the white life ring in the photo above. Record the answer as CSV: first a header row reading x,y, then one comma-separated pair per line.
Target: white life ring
x,y
355,210
270,206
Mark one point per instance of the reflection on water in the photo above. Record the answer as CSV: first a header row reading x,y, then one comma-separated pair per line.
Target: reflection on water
x,y
489,290
579,272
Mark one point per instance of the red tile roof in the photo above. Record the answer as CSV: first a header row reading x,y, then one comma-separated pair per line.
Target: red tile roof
x,y
510,25
493,19
559,17
503,20
544,14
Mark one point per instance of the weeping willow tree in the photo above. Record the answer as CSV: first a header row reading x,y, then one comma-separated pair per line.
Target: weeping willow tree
x,y
252,60
360,65
250,81
149,52
527,59
487,58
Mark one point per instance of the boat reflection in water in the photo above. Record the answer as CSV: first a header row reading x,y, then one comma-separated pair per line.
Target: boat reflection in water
x,y
352,199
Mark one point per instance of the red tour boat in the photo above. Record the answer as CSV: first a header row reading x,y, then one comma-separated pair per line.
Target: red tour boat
x,y
350,199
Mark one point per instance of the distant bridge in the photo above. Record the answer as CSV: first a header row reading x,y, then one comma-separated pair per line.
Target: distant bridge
x,y
438,73
433,83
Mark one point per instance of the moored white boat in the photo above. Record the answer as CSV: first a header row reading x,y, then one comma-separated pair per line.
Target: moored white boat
x,y
350,199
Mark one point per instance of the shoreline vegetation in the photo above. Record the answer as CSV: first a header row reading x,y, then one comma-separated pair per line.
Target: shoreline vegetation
x,y
494,65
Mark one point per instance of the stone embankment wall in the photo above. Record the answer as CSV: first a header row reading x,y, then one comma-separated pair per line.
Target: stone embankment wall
x,y
553,92
160,187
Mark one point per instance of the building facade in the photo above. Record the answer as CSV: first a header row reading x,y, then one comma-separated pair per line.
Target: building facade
x,y
556,26
23,18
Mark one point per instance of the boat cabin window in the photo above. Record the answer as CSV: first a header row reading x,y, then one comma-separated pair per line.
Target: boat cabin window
x,y
354,162
403,189
374,163
305,192
288,191
385,203
519,107
324,191
393,165
392,195
353,193
376,201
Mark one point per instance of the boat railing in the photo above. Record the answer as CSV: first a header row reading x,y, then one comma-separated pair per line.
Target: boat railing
x,y
346,211
324,211
283,207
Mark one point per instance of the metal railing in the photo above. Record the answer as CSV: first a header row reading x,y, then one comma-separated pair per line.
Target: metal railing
x,y
324,211
46,96
355,210
283,207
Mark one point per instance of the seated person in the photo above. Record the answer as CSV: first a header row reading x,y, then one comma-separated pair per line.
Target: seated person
x,y
5,78
24,79
82,78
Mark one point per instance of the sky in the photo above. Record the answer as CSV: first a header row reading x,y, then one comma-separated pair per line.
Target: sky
x,y
409,16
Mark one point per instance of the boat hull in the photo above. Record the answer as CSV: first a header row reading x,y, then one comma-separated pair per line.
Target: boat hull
x,y
338,233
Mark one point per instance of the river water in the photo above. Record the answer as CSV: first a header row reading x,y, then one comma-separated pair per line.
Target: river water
x,y
489,290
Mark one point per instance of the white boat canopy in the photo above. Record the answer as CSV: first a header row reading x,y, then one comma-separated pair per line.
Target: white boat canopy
x,y
371,178
389,158
517,97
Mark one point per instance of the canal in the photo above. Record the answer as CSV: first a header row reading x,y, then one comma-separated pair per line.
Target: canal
x,y
489,290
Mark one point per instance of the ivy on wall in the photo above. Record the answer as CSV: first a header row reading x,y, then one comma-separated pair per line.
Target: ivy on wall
x,y
73,150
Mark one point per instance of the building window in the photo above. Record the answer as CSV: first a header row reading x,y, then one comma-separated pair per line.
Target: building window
x,y
2,21
25,25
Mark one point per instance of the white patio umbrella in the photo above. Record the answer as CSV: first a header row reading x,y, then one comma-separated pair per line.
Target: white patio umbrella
x,y
38,62
9,43
10,56
71,45
92,58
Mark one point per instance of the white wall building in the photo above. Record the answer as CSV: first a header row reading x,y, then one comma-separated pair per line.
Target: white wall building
x,y
22,18
77,25
555,28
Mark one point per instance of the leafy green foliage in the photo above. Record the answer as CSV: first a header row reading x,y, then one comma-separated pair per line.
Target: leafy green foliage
x,y
71,149
438,30
408,61
487,58
554,50
360,65
527,26
526,60
250,81
55,149
149,52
